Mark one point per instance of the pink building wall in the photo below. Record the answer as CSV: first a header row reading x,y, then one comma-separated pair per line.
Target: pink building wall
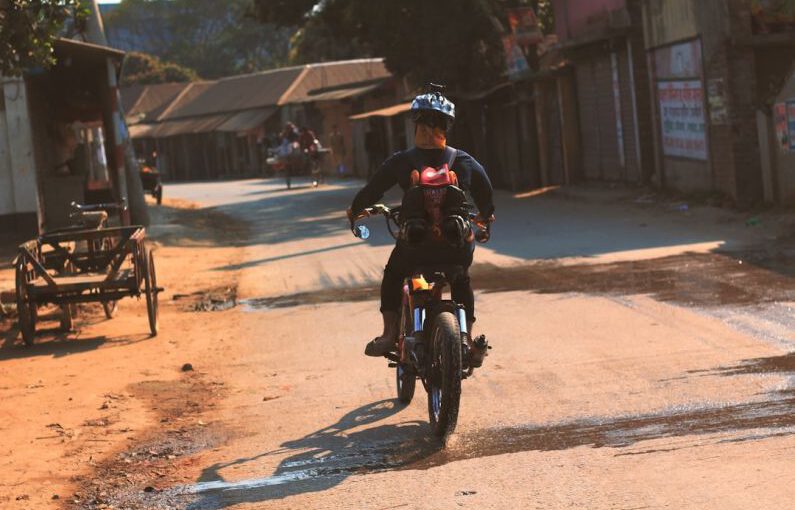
x,y
572,16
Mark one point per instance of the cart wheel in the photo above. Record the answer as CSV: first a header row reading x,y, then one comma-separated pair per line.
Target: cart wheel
x,y
151,293
26,311
68,315
110,308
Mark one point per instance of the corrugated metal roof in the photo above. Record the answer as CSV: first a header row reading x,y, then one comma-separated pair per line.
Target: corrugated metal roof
x,y
383,112
203,124
238,93
185,98
149,101
333,74
249,119
130,95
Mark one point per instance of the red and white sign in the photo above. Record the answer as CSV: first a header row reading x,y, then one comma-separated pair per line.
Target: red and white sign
x,y
684,131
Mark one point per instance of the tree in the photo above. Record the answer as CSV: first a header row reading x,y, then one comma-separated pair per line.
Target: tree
x,y
144,69
29,28
213,38
457,42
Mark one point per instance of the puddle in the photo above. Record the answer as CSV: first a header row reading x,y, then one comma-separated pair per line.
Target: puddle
x,y
213,300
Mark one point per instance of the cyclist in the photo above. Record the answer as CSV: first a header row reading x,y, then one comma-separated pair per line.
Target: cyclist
x,y
433,115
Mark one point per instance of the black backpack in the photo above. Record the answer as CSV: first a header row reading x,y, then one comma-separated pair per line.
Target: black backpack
x,y
434,209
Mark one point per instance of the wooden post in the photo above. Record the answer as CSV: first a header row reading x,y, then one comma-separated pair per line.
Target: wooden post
x,y
543,134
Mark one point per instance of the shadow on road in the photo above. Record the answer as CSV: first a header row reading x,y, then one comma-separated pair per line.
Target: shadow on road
x,y
322,459
56,343
287,256
540,227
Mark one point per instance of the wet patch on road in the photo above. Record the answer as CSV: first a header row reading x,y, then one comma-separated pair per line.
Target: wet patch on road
x,y
135,478
745,421
340,295
326,458
783,365
212,300
692,279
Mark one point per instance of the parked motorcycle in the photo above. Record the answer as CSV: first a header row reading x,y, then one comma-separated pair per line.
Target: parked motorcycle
x,y
433,345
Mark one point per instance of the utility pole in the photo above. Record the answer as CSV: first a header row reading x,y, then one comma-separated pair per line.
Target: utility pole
x,y
139,214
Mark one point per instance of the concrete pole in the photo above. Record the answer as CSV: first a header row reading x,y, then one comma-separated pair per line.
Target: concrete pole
x,y
139,214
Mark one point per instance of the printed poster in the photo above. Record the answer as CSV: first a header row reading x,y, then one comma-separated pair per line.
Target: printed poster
x,y
524,26
514,58
780,121
682,117
791,123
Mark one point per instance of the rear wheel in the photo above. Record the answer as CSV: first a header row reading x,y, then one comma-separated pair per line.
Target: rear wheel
x,y
444,374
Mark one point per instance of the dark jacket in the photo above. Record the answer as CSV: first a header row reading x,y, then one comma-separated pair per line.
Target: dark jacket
x,y
397,170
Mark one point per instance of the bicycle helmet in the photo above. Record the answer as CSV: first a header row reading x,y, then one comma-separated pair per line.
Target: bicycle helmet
x,y
433,108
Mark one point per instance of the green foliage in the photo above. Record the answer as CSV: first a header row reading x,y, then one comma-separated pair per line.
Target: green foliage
x,y
29,28
214,38
144,69
457,42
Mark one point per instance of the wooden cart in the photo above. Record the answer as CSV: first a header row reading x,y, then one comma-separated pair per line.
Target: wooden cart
x,y
84,266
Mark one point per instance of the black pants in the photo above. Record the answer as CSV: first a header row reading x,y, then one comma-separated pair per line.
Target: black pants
x,y
404,260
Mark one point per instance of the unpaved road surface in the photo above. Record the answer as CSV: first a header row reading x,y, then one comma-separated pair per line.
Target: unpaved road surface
x,y
641,360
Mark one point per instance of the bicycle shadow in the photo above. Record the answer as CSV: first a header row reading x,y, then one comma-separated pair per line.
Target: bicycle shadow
x,y
323,459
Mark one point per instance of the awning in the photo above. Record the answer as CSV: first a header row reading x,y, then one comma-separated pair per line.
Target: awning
x,y
140,130
390,111
188,126
247,120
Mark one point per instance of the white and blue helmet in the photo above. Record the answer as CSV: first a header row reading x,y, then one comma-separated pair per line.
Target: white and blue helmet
x,y
433,101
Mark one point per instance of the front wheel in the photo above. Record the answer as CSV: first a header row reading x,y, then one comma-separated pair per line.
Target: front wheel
x,y
444,374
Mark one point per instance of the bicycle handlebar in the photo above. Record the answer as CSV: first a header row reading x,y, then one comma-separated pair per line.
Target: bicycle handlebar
x,y
481,235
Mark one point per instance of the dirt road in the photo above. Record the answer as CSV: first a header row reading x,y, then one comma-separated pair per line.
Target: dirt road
x,y
641,359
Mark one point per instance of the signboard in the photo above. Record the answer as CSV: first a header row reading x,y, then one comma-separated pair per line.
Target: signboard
x,y
524,26
514,58
791,124
780,120
678,61
682,118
